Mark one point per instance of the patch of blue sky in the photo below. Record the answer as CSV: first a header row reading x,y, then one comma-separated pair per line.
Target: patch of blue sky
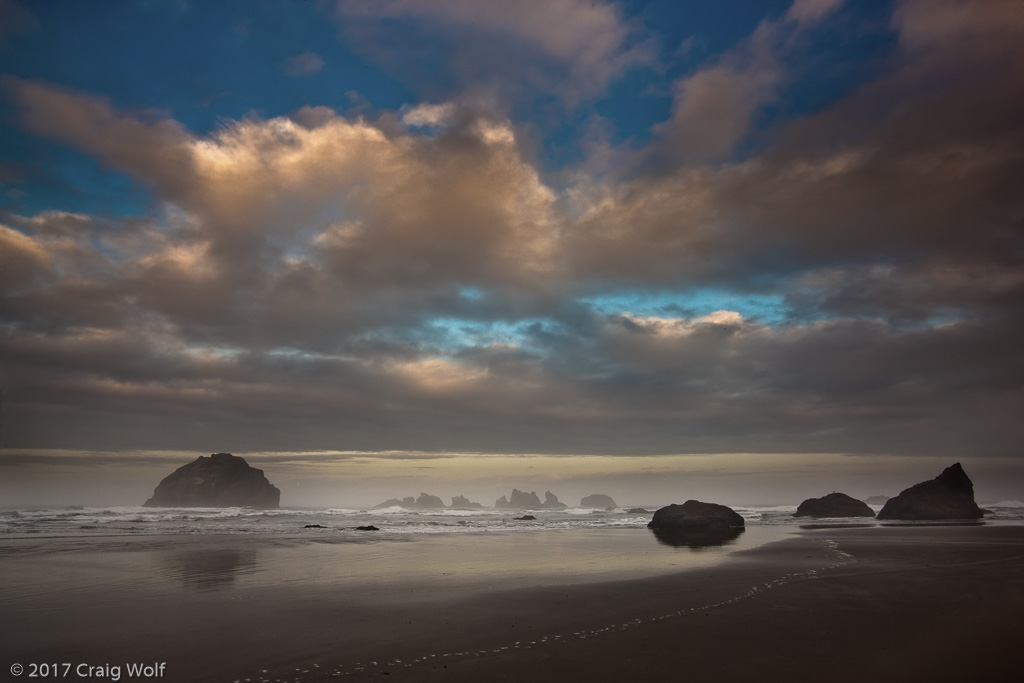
x,y
472,293
235,64
304,355
770,309
53,178
455,334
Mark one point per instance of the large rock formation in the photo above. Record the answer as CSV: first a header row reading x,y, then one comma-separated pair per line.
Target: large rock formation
x,y
695,525
218,480
551,502
694,514
407,502
598,501
948,496
834,505
520,500
429,502
463,503
426,501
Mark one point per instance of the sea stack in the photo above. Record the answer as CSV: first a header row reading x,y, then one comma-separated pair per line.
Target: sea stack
x,y
948,496
218,480
520,500
834,505
551,502
598,500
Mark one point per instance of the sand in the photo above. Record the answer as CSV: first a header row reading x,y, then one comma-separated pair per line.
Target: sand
x,y
855,604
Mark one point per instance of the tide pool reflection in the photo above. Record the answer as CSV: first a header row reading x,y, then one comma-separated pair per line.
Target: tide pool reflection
x,y
209,568
698,538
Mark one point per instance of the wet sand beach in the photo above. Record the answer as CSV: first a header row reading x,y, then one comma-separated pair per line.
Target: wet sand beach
x,y
880,603
890,604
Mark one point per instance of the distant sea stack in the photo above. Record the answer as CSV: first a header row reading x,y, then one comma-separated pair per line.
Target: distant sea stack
x,y
218,480
834,505
427,501
463,503
948,496
520,500
598,501
551,502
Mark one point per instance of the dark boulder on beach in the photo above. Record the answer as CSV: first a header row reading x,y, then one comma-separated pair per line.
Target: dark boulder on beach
x,y
525,518
694,514
598,501
948,496
368,527
218,480
834,505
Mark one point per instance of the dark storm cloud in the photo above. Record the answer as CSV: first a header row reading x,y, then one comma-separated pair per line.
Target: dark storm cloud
x,y
415,282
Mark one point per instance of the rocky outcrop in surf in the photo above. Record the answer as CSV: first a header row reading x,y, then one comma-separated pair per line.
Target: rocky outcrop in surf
x,y
598,501
463,503
834,505
218,480
948,496
519,500
551,502
425,501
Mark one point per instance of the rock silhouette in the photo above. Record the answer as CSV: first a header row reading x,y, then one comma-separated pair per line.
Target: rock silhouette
x,y
463,503
834,505
218,480
551,502
425,501
599,501
520,500
948,496
694,514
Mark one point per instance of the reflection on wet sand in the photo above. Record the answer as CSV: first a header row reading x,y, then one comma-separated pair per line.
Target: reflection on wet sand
x,y
209,568
698,538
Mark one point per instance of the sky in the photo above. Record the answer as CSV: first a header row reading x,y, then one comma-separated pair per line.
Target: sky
x,y
457,246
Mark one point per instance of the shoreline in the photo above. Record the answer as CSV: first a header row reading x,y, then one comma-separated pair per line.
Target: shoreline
x,y
903,603
899,603
883,603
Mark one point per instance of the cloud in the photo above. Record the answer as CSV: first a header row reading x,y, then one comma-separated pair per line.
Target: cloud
x,y
15,19
429,115
304,64
574,48
312,225
714,107
811,11
924,23
416,281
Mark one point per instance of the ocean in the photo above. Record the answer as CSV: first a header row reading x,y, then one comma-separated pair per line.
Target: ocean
x,y
80,521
